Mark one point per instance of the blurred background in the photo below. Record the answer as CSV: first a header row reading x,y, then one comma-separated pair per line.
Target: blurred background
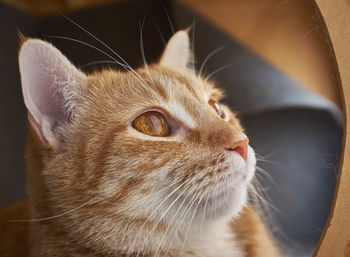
x,y
287,33
272,57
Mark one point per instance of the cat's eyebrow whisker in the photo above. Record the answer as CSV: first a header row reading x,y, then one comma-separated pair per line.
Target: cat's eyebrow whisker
x,y
126,67
168,16
96,38
142,49
97,62
193,27
160,33
105,45
141,45
219,69
209,56
93,47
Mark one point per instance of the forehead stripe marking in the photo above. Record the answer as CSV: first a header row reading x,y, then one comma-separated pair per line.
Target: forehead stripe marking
x,y
180,113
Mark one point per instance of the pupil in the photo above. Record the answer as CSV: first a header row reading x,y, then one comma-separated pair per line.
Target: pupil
x,y
151,122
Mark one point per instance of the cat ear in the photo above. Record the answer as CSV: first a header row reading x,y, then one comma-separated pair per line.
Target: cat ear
x,y
177,53
51,88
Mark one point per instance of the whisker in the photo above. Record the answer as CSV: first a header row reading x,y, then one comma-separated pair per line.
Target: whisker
x,y
52,217
169,225
168,16
160,33
193,27
220,69
156,209
126,67
105,45
191,220
257,190
96,38
264,209
209,56
154,227
141,44
264,159
96,62
163,215
186,209
93,47
162,201
184,213
266,174
203,216
267,161
142,49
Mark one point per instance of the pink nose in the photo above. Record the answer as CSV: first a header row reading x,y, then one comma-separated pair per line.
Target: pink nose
x,y
240,146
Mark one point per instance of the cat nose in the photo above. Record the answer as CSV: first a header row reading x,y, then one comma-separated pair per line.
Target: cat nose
x,y
239,145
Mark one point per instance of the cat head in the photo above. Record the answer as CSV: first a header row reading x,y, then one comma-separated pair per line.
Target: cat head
x,y
136,153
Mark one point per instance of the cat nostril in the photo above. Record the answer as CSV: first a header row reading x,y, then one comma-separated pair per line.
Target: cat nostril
x,y
239,146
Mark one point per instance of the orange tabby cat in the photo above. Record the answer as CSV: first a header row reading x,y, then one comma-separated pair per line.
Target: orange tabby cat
x,y
137,163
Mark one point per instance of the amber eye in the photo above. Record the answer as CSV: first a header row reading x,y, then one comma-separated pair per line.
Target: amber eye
x,y
216,107
152,123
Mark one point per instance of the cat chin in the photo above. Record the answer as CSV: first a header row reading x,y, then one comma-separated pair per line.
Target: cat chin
x,y
230,201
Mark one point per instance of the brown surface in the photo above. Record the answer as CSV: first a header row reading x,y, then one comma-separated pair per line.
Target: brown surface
x,y
337,233
285,33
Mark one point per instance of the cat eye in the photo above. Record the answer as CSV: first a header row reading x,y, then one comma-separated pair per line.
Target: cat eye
x,y
152,123
216,107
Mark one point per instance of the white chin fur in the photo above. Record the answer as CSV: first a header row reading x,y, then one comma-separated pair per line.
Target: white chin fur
x,y
237,198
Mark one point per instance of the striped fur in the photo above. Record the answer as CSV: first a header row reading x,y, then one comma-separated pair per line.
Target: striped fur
x,y
113,191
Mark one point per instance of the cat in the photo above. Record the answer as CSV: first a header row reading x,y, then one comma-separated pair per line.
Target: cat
x,y
145,162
